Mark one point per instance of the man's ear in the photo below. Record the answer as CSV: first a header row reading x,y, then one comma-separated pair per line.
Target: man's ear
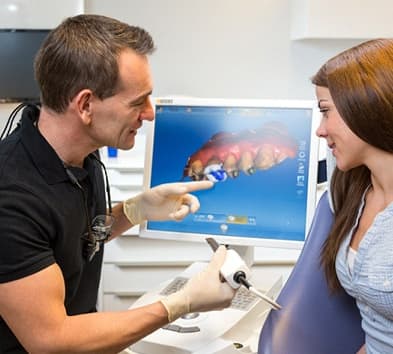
x,y
83,105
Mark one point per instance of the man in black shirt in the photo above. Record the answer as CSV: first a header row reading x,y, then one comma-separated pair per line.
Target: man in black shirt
x,y
95,84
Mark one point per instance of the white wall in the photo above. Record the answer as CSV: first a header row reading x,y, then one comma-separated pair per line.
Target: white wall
x,y
223,48
34,13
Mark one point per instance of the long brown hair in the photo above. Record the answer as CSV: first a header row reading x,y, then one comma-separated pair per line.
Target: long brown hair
x,y
360,81
82,52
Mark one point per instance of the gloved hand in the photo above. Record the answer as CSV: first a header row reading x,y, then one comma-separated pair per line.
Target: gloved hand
x,y
170,201
203,292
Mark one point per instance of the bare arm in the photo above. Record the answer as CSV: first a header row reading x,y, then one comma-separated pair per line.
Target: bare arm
x,y
121,223
33,307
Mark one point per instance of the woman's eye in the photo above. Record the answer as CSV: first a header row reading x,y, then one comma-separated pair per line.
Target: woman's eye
x,y
324,112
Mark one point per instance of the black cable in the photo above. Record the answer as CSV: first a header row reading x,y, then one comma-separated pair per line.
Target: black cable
x,y
108,193
240,278
8,126
7,129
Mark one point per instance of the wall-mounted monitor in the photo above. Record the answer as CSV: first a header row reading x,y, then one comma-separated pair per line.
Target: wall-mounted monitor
x,y
262,155
18,48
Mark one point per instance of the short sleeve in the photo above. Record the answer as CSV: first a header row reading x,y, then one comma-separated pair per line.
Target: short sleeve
x,y
26,233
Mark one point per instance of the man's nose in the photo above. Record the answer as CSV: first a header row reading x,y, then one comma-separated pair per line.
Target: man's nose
x,y
148,111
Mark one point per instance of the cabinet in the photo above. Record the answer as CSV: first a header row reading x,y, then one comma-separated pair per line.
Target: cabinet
x,y
349,19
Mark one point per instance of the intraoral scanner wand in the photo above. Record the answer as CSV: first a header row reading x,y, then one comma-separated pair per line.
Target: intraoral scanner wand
x,y
235,272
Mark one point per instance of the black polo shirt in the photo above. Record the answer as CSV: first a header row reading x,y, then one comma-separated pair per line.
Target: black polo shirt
x,y
43,218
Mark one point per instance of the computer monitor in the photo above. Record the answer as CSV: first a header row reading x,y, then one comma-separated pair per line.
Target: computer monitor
x,y
262,155
18,50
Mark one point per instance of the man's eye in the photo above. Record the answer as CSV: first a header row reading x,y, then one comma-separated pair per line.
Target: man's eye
x,y
136,104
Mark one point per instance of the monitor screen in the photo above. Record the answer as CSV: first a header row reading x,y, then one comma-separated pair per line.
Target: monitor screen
x,y
262,156
18,50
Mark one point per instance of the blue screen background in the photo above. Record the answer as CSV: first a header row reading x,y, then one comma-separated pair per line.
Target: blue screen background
x,y
274,200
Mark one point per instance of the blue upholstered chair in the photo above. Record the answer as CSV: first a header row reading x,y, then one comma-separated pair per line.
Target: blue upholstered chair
x,y
312,320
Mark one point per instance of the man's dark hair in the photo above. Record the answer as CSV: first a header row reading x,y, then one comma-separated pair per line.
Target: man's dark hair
x,y
82,52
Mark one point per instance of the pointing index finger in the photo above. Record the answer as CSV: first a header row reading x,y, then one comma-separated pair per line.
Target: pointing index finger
x,y
198,185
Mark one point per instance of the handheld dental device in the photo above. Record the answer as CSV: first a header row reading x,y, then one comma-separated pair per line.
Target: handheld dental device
x,y
235,272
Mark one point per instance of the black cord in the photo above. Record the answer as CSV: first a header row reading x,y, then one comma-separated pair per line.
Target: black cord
x,y
7,129
75,182
240,278
10,121
108,193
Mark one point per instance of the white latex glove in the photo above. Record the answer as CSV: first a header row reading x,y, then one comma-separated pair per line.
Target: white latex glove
x,y
203,292
170,201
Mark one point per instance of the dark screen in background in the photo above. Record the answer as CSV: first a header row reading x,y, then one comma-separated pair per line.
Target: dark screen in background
x,y
18,48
